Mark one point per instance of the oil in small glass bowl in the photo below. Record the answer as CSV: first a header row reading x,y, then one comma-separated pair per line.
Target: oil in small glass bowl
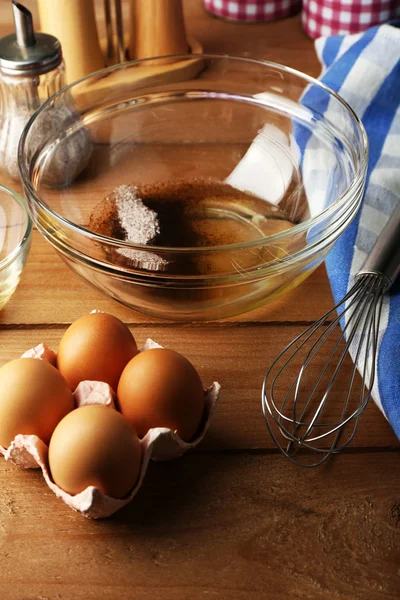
x,y
15,241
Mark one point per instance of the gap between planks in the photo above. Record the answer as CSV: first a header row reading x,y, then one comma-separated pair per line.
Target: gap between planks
x,y
175,324
236,357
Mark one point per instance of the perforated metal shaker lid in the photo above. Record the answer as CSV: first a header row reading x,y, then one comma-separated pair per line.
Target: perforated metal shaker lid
x,y
27,52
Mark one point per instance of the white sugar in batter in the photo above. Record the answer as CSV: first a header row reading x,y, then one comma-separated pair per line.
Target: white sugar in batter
x,y
141,225
139,222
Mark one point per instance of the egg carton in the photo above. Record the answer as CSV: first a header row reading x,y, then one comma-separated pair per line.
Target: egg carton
x,y
160,443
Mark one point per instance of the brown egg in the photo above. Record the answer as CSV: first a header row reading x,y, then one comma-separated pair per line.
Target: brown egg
x,y
34,398
96,347
161,388
95,445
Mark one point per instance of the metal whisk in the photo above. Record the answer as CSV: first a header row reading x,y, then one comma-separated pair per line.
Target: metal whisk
x,y
301,410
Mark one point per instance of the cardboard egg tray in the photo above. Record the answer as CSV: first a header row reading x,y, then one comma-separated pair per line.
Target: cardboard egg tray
x,y
30,452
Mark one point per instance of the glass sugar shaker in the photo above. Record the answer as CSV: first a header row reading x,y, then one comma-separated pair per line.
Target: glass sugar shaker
x,y
31,70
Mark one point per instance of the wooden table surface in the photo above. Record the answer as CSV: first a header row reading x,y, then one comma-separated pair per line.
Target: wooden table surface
x,y
233,519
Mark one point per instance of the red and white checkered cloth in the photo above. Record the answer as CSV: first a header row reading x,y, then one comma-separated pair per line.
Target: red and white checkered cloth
x,y
252,10
331,17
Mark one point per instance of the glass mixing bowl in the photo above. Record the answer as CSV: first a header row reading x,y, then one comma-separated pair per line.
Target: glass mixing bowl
x,y
280,136
15,241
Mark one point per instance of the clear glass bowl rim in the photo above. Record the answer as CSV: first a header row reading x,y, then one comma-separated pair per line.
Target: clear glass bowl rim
x,y
20,247
277,237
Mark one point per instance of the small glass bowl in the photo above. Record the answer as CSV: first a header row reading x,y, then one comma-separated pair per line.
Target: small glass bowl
x,y
262,127
15,241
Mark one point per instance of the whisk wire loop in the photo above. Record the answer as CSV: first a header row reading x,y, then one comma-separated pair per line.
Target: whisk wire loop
x,y
314,349
307,334
303,420
367,326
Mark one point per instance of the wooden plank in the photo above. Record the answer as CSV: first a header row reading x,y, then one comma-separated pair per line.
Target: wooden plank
x,y
221,522
238,358
281,41
49,292
247,527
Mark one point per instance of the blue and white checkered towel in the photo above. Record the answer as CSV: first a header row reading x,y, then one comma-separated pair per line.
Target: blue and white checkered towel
x,y
365,70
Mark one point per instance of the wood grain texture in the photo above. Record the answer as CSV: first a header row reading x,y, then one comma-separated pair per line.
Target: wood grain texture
x,y
244,527
280,41
46,279
238,358
232,520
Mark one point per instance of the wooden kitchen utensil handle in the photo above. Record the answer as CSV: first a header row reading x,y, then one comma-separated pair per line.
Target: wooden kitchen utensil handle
x,y
157,28
73,23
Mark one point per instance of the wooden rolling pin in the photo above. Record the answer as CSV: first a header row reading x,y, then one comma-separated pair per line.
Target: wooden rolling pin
x,y
73,23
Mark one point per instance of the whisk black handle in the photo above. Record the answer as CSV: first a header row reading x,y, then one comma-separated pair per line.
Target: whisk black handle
x,y
384,258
